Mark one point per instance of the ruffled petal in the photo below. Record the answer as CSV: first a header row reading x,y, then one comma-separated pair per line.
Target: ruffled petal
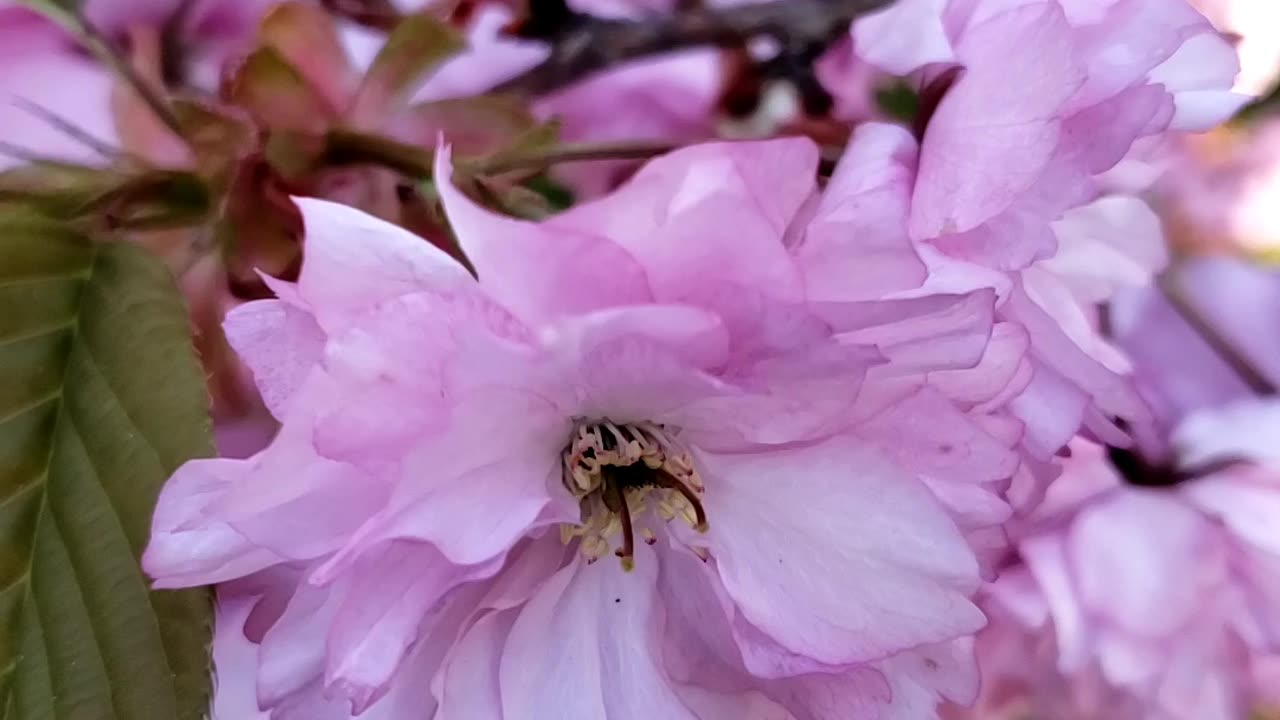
x,y
280,343
605,626
856,246
998,127
671,216
539,271
190,547
354,261
827,585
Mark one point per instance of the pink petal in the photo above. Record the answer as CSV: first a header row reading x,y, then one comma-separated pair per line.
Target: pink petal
x,y
1047,558
354,261
927,435
856,247
1111,243
1247,503
539,272
235,662
604,625
466,498
1003,371
904,37
291,656
381,615
998,126
858,598
404,359
1051,409
470,680
921,679
931,333
1141,560
293,501
189,547
1113,393
671,216
638,363
280,344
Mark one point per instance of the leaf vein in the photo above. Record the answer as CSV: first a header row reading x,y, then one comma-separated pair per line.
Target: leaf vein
x,y
33,404
37,332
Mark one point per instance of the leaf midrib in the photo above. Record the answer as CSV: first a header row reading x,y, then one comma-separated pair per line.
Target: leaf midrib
x,y
45,513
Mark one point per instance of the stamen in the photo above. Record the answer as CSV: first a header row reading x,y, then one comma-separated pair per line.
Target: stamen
x,y
613,468
616,501
663,479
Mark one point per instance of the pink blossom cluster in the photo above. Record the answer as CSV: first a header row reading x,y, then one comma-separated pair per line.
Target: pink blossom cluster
x,y
739,435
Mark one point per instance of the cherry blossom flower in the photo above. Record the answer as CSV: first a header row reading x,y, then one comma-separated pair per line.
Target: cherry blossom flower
x,y
1145,601
633,466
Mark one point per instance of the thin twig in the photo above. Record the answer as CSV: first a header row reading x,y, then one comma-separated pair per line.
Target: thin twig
x,y
583,44
68,128
572,152
101,46
347,147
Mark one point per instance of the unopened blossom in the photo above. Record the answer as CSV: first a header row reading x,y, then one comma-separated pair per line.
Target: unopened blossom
x,y
634,468
1151,600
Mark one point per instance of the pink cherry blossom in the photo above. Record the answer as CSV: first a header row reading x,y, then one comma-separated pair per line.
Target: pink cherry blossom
x,y
633,468
1145,602
1041,108
1045,372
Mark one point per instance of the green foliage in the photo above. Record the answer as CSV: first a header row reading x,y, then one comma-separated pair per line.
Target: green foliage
x,y
101,398
898,102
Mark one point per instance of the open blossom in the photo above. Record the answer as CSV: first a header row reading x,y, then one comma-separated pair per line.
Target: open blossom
x,y
634,469
1147,601
1025,107
1053,94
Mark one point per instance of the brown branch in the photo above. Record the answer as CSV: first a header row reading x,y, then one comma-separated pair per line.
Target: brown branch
x,y
583,44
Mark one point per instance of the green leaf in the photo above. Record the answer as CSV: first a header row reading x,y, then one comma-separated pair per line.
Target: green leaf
x,y
278,96
57,188
101,399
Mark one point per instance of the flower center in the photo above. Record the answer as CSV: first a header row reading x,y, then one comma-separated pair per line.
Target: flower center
x,y
615,470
